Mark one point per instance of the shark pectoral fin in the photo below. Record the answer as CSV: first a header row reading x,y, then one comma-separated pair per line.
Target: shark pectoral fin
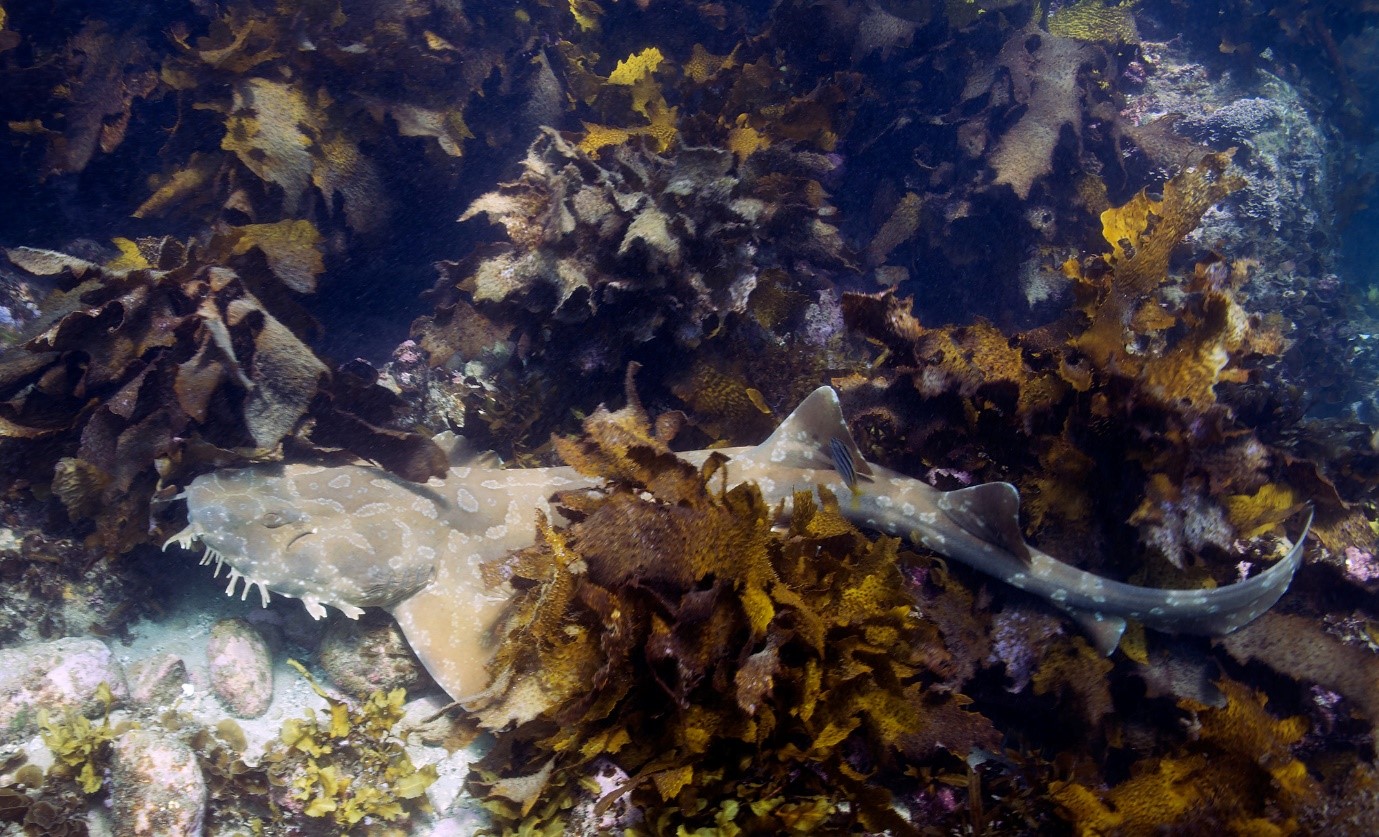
x,y
814,437
462,453
1103,631
990,511
450,627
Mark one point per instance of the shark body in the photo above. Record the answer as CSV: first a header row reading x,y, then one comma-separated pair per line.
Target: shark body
x,y
356,536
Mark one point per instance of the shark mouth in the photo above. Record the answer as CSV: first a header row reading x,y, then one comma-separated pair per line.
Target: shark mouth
x,y
188,537
315,606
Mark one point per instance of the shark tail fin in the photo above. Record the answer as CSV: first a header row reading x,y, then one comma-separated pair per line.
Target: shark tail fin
x,y
815,436
1236,605
1215,612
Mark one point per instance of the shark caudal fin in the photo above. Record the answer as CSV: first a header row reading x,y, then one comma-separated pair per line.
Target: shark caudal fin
x,y
1233,606
815,436
1207,612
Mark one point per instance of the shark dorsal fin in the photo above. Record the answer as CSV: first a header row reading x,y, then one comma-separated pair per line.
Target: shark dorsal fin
x,y
808,436
990,511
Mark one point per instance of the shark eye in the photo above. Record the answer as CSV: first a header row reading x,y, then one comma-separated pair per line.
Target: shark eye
x,y
272,520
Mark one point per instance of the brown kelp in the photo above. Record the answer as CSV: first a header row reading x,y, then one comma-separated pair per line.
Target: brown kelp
x,y
746,678
166,361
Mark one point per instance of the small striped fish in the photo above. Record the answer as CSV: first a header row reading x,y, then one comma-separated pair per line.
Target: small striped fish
x,y
842,462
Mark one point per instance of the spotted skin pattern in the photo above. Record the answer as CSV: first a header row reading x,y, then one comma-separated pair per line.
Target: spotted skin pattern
x,y
355,536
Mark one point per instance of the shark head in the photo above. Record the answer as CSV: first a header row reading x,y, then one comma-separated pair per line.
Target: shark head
x,y
345,536
355,536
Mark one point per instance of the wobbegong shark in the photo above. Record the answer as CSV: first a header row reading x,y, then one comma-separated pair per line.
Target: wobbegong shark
x,y
356,536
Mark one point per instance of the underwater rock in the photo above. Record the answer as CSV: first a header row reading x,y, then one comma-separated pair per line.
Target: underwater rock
x,y
590,817
156,786
368,654
1237,122
45,592
1285,212
241,668
426,721
19,299
58,676
1019,636
158,680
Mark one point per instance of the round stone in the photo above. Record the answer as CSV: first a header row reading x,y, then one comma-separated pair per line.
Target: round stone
x,y
241,668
